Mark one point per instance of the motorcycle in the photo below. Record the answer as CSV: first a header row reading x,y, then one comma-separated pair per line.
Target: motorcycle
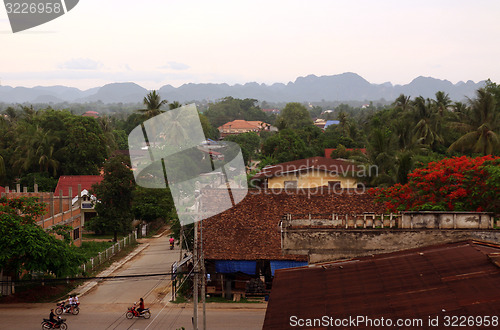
x,y
60,324
132,311
62,308
171,245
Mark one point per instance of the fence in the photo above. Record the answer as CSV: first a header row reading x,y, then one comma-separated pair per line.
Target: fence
x,y
109,252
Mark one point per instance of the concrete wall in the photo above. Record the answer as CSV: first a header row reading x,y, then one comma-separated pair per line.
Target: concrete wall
x,y
332,244
447,220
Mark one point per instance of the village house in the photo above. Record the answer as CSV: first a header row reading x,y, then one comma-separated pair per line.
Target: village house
x,y
309,173
240,126
242,246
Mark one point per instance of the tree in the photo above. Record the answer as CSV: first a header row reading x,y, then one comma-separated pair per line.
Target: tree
x,y
293,116
114,195
284,146
153,204
249,143
452,184
481,128
153,103
84,149
25,246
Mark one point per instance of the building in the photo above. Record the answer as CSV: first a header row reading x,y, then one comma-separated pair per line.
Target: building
x,y
242,246
309,173
240,126
425,288
93,114
72,185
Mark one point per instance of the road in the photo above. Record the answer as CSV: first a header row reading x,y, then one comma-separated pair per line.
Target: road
x,y
105,305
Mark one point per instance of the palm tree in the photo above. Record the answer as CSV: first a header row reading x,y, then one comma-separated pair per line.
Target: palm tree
x,y
482,127
153,103
402,102
442,103
428,125
174,105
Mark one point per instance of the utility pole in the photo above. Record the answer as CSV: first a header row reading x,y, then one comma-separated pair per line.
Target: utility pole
x,y
203,279
195,269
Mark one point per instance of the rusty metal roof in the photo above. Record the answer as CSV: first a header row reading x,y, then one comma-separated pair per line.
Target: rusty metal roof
x,y
456,279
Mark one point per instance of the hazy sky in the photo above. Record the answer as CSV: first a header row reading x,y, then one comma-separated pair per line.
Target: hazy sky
x,y
159,42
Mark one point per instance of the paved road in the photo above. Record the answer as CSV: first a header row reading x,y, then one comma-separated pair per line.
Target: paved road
x,y
104,306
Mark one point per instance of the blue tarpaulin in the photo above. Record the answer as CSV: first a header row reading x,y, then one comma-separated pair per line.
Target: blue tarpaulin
x,y
234,266
279,264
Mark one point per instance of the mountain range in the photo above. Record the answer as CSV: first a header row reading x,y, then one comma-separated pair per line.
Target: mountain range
x,y
342,87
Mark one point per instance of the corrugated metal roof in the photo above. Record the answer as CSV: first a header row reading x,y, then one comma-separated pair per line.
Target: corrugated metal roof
x,y
445,280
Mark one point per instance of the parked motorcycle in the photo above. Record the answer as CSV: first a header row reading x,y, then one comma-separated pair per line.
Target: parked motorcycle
x,y
63,308
132,311
60,324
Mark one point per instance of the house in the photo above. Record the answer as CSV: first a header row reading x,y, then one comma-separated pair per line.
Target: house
x,y
309,173
239,126
423,288
242,246
58,210
93,114
71,185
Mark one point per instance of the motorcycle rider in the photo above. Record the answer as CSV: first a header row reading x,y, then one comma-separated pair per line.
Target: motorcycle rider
x,y
171,240
52,317
70,303
141,306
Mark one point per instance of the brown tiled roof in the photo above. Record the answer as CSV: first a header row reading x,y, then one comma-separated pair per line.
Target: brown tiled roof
x,y
250,230
436,281
318,163
242,124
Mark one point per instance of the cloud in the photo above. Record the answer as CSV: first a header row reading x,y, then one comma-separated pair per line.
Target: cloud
x,y
175,66
80,64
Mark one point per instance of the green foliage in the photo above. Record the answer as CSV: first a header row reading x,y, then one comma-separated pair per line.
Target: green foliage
x,y
85,149
153,204
25,246
285,146
114,194
44,181
229,109
249,143
293,116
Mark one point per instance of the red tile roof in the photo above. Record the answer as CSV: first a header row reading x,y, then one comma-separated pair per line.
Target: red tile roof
x,y
66,181
243,124
437,281
250,230
317,163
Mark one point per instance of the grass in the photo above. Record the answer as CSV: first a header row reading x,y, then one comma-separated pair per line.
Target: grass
x,y
106,236
91,249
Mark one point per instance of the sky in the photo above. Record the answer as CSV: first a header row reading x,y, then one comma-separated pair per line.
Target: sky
x,y
158,42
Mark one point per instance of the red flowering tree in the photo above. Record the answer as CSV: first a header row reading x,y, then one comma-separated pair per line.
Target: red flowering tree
x,y
452,184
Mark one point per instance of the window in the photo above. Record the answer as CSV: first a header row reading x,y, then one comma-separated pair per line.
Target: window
x,y
76,234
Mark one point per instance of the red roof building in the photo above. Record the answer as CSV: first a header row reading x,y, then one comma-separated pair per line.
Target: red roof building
x,y
309,173
239,126
93,114
435,284
67,181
